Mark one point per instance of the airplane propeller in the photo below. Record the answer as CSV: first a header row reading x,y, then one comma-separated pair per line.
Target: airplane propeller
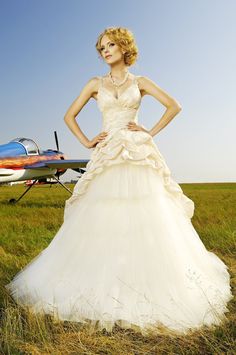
x,y
56,139
78,170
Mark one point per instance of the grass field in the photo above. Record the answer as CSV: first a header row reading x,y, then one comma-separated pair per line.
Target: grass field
x,y
27,227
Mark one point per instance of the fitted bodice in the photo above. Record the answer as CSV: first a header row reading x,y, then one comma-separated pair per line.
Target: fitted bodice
x,y
117,112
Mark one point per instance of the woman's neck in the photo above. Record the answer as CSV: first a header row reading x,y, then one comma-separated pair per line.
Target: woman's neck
x,y
119,72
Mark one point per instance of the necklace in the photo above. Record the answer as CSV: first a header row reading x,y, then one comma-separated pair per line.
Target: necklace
x,y
121,83
118,85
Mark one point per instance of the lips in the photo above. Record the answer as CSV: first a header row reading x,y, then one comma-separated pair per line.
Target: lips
x,y
108,56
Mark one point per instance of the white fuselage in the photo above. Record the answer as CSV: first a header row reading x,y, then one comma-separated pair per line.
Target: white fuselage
x,y
8,175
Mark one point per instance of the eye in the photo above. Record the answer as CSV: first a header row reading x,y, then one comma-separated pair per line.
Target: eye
x,y
110,44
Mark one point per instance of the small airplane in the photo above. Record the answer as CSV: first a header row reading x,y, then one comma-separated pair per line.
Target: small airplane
x,y
21,159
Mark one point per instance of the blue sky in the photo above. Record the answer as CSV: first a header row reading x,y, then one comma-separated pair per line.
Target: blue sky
x,y
187,47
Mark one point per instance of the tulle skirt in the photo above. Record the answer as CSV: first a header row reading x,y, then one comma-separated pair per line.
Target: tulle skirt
x,y
126,254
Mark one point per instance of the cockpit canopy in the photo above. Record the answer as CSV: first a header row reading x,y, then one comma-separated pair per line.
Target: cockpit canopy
x,y
19,147
30,146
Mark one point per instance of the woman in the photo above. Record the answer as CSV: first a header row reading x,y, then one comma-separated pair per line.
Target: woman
x,y
127,252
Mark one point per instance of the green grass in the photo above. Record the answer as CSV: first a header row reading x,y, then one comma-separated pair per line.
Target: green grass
x,y
27,228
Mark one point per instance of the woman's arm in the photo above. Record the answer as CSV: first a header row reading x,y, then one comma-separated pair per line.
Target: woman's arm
x,y
76,106
148,87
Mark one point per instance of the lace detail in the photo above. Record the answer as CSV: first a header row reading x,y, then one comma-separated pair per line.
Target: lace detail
x,y
134,82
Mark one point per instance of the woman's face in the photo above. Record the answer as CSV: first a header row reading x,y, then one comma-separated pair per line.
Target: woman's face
x,y
110,51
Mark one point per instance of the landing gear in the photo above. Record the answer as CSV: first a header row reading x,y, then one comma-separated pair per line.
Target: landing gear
x,y
13,201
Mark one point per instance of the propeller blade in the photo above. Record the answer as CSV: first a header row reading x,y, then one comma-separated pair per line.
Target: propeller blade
x,y
56,139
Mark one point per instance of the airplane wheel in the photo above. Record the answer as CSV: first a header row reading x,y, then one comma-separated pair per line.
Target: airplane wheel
x,y
12,201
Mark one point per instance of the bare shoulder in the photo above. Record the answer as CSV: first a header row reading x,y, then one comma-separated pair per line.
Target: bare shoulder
x,y
143,83
89,90
93,81
91,87
148,86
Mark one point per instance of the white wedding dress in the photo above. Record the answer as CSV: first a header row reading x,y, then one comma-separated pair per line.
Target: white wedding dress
x,y
127,252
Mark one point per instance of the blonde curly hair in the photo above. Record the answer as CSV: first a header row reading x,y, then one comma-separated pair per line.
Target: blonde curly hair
x,y
124,38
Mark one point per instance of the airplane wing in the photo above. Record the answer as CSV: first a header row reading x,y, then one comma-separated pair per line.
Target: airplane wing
x,y
59,164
